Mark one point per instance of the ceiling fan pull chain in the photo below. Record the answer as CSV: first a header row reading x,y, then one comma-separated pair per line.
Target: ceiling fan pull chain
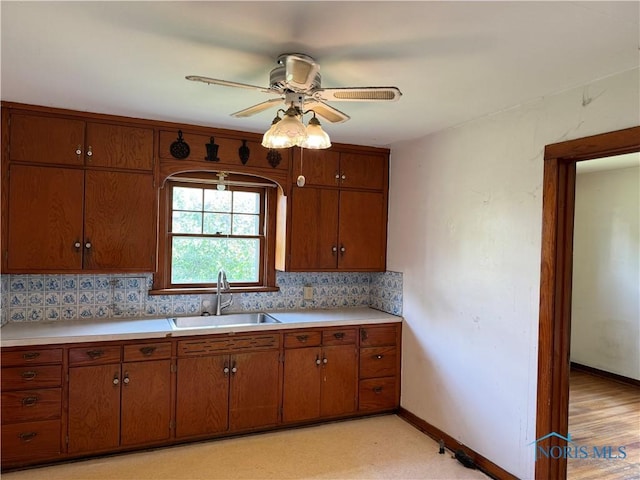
x,y
301,180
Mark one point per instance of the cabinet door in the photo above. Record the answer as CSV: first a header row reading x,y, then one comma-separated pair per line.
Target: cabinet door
x,y
362,231
254,399
339,380
146,402
94,408
118,146
42,139
119,221
319,167
363,170
301,393
45,218
314,216
202,401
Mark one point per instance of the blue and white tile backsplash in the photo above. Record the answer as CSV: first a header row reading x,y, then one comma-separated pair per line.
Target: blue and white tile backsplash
x,y
26,298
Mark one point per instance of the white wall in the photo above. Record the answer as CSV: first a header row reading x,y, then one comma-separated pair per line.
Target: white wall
x,y
605,312
465,215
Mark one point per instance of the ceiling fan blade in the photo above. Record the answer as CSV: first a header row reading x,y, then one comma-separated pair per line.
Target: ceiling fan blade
x,y
300,71
358,94
247,112
327,112
227,83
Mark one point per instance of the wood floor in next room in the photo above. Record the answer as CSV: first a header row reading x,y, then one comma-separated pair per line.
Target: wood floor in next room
x,y
604,412
384,447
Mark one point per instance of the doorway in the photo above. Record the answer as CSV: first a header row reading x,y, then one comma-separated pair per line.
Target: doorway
x,y
558,208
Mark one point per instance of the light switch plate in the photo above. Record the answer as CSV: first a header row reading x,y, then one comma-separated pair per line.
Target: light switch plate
x,y
308,293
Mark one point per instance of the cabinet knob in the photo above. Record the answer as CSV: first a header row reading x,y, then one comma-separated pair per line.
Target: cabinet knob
x,y
225,370
334,249
116,381
87,245
342,249
89,152
79,150
377,390
233,370
77,244
325,361
318,361
126,380
337,176
343,177
378,357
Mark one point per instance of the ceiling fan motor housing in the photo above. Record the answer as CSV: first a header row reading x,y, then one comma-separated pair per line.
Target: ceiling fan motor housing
x,y
296,72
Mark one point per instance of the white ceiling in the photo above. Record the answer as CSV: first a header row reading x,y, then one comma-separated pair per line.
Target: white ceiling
x,y
453,61
628,160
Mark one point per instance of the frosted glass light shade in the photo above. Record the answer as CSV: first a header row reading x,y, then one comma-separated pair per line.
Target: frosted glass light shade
x,y
317,138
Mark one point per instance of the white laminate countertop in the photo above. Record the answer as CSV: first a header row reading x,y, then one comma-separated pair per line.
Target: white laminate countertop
x,y
75,331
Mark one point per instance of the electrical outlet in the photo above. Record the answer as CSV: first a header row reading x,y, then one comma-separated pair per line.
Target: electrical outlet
x,y
308,292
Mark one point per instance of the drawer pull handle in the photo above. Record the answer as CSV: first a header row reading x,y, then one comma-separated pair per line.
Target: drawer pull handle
x,y
302,338
27,436
30,375
377,390
31,355
95,354
147,350
363,335
339,335
378,357
29,401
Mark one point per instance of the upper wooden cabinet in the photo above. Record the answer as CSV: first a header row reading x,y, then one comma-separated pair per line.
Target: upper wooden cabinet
x,y
331,168
80,195
64,141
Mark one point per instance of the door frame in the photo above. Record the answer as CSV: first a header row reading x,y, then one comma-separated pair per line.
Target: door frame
x,y
558,208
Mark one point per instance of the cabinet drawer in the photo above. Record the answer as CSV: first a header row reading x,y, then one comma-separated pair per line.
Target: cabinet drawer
x,y
30,441
378,362
94,355
339,336
147,351
302,339
28,357
376,336
30,405
377,394
16,378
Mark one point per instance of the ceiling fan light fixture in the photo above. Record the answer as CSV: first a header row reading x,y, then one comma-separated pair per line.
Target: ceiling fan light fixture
x,y
288,132
316,139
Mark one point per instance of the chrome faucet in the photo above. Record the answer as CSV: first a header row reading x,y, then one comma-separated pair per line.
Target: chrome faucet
x,y
221,287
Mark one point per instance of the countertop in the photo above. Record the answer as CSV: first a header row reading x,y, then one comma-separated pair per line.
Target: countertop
x,y
76,331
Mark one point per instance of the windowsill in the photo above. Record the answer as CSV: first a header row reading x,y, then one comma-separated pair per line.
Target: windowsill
x,y
210,291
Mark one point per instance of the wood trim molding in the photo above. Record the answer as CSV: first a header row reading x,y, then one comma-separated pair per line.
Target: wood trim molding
x,y
555,281
483,464
604,374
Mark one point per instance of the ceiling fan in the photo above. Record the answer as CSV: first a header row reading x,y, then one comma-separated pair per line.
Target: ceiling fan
x,y
296,81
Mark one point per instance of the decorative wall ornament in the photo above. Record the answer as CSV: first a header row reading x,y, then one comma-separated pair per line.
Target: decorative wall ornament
x,y
273,157
212,151
180,149
244,152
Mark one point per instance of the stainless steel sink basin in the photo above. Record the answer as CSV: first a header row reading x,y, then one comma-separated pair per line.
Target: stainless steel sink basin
x,y
230,320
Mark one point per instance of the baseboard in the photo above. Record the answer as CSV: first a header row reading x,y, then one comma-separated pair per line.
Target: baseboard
x,y
483,464
602,373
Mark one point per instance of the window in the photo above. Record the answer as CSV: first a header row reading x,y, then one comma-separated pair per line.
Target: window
x,y
207,229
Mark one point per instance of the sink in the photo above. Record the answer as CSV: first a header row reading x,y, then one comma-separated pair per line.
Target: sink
x,y
229,320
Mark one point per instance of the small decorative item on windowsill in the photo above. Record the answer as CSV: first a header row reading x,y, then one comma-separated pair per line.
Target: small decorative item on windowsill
x,y
244,152
179,149
212,151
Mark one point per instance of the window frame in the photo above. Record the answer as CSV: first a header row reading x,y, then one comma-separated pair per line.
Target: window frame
x,y
162,279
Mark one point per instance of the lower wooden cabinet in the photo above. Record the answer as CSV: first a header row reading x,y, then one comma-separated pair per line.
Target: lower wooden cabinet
x,y
79,400
117,404
227,392
31,405
319,381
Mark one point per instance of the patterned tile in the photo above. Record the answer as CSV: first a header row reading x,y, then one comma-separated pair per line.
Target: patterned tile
x,y
69,297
